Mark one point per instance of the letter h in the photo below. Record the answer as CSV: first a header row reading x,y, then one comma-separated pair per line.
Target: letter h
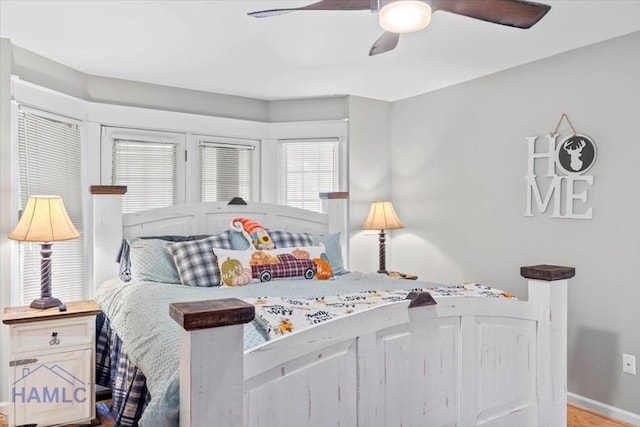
x,y
550,155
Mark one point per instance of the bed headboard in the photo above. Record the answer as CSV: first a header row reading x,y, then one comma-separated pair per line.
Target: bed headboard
x,y
110,226
211,218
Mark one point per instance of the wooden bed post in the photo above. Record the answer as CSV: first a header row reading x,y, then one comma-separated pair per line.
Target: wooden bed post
x,y
211,360
106,231
336,206
548,288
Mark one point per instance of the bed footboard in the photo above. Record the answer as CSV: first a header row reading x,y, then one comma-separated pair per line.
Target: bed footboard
x,y
461,362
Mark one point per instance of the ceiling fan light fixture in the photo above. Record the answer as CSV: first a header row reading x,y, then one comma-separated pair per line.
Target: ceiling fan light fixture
x,y
405,16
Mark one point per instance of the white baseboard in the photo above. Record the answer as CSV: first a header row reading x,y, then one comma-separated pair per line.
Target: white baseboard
x,y
603,408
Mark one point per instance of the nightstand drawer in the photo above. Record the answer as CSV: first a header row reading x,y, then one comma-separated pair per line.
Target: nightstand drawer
x,y
53,335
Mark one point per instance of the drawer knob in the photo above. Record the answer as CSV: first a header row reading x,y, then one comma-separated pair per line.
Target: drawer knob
x,y
54,339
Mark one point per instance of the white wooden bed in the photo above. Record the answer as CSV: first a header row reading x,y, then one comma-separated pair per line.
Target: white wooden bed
x,y
460,362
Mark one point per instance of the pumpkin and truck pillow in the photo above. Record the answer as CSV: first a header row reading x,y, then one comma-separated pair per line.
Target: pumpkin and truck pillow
x,y
238,268
263,262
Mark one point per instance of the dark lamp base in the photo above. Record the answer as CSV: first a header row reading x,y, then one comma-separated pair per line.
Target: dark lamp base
x,y
44,303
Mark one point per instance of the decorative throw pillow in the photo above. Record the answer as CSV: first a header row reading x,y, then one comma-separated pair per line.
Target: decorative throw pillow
x,y
324,270
151,262
254,232
286,239
196,262
334,251
147,259
238,241
238,268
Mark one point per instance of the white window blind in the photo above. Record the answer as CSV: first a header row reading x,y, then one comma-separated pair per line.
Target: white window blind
x,y
148,169
50,163
226,172
305,169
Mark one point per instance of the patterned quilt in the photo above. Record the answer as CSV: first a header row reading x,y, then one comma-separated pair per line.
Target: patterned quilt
x,y
281,316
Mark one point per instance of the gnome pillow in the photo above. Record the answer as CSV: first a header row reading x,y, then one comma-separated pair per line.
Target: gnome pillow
x,y
255,233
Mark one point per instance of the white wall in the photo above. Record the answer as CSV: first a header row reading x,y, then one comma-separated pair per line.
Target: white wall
x,y
369,175
290,110
459,160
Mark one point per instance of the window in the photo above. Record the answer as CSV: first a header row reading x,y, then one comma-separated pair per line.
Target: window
x,y
148,169
49,149
149,163
226,171
305,169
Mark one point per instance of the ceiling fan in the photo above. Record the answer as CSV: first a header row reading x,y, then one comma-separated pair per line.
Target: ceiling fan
x,y
403,16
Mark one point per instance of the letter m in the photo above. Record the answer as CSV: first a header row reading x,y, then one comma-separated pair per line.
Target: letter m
x,y
50,397
534,192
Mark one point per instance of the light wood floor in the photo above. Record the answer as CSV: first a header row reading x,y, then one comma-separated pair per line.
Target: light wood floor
x,y
580,417
576,417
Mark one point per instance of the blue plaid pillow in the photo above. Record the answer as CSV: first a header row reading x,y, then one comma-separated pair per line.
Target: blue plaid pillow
x,y
285,239
195,261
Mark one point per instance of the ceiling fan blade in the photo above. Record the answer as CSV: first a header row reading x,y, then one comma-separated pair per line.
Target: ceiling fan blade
x,y
386,42
322,5
513,13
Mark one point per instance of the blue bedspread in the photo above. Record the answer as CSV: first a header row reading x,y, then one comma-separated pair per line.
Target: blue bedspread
x,y
139,313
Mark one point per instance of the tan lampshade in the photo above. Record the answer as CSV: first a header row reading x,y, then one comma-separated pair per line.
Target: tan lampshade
x,y
382,216
44,219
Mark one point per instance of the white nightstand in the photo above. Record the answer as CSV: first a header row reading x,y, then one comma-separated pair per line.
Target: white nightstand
x,y
52,364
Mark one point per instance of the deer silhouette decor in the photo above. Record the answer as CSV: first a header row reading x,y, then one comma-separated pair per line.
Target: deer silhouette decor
x,y
576,154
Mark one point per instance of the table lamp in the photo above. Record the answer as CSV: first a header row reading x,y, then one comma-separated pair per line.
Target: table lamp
x,y
382,217
44,220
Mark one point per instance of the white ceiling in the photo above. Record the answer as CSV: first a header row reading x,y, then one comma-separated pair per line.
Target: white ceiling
x,y
214,46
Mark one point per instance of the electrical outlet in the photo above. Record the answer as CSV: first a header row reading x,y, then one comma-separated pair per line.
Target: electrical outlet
x,y
628,364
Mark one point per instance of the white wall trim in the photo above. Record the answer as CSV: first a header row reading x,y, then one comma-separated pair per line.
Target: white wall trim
x,y
48,100
173,121
309,129
603,408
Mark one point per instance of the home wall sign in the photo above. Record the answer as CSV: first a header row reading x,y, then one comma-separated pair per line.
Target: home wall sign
x,y
564,183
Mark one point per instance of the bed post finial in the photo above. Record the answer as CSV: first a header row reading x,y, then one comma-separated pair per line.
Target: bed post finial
x,y
547,272
237,201
548,287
